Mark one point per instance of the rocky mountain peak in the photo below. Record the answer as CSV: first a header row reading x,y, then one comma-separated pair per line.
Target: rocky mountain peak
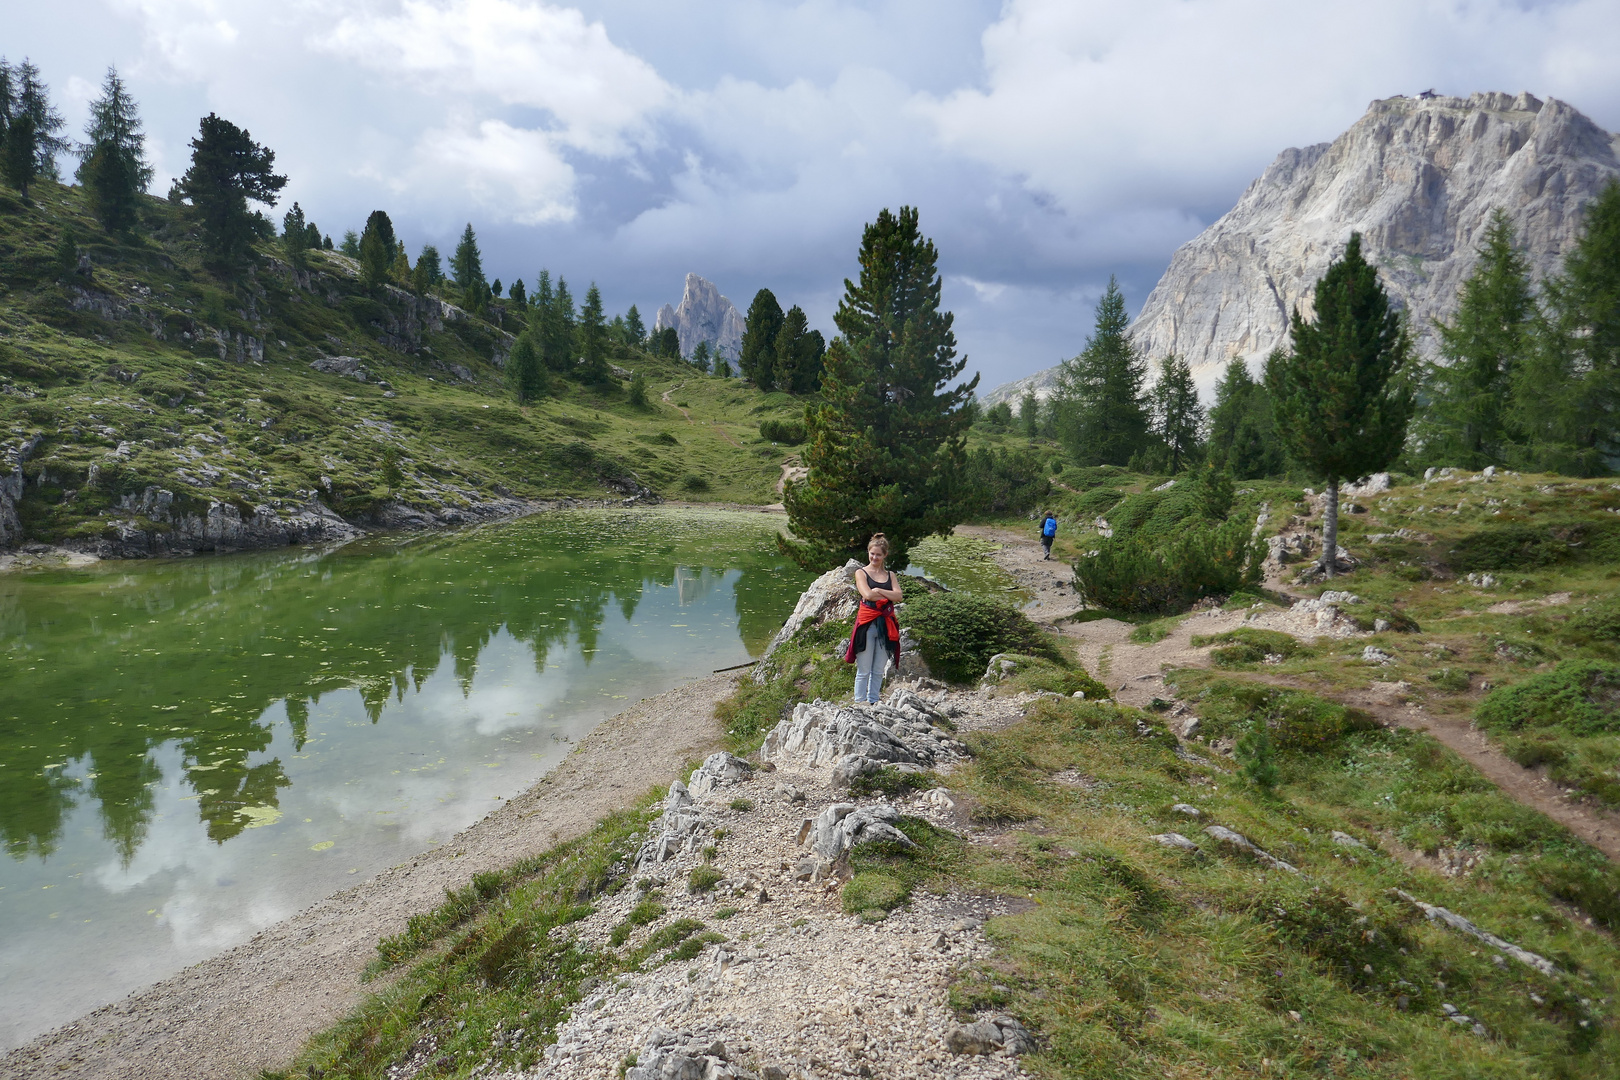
x,y
704,315
1418,178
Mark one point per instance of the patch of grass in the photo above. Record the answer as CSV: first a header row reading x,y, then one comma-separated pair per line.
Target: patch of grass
x,y
1154,631
1580,696
1036,673
1296,719
703,879
892,782
646,911
742,805
808,666
1247,646
1450,679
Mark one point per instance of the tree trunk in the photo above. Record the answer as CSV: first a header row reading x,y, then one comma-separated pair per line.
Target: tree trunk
x,y
1330,529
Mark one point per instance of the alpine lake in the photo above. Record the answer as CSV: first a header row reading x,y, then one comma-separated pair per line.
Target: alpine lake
x,y
193,749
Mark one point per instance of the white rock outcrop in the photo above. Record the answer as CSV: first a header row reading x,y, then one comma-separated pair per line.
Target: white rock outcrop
x,y
704,315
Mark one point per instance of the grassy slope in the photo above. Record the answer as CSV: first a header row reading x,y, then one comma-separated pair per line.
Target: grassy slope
x,y
270,431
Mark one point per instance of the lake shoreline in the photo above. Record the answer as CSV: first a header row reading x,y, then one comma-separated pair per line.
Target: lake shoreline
x,y
253,1006
39,556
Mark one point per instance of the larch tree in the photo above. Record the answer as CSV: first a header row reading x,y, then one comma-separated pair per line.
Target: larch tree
x,y
1341,401
1029,413
1101,412
113,168
1568,399
229,170
31,99
1466,421
757,358
17,157
1178,418
885,444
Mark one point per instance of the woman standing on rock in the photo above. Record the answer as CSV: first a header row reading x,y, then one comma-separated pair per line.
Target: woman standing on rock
x,y
876,637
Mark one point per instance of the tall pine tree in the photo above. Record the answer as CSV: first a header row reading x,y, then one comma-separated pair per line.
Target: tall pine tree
x,y
113,168
798,349
1178,418
558,334
1341,403
885,444
634,328
429,269
295,236
524,370
228,169
1242,431
1101,413
1465,422
32,99
593,338
378,249
466,270
1568,400
758,356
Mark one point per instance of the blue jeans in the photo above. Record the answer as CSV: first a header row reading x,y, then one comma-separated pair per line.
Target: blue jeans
x,y
870,664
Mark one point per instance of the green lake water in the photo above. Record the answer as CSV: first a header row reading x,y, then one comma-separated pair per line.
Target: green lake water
x,y
191,750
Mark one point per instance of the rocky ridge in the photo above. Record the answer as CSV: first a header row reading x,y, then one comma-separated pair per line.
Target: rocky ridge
x,y
704,315
1418,178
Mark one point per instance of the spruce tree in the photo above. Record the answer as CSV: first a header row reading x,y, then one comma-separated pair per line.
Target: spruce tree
x,y
467,272
429,270
634,328
593,338
558,336
1029,411
377,249
1465,421
1341,403
351,244
700,356
1178,418
524,370
519,295
799,349
1103,418
400,272
1242,431
18,157
295,236
667,343
228,169
885,445
1567,401
758,357
113,169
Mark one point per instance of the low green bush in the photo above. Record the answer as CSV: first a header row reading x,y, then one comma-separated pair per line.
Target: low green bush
x,y
1295,720
703,879
1452,679
1035,674
1596,625
958,634
1535,547
694,482
1095,502
1581,697
788,432
872,892
895,783
1134,575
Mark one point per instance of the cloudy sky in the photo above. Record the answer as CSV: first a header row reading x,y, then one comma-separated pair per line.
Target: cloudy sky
x,y
1048,143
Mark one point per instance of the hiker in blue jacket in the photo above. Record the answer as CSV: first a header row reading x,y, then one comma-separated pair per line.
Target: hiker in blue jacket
x,y
1048,533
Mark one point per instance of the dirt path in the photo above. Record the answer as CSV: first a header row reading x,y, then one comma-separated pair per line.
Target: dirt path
x,y
726,435
664,397
1135,674
252,1007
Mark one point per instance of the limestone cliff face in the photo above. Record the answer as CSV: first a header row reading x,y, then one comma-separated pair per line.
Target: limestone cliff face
x,y
1418,178
704,315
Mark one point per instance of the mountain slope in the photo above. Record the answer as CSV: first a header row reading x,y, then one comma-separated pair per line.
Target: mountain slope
x,y
147,407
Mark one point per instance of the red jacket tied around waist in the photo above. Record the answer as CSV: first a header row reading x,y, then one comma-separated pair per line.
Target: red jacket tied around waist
x,y
871,611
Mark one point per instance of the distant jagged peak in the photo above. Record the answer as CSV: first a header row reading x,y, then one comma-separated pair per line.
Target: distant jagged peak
x,y
1418,177
704,315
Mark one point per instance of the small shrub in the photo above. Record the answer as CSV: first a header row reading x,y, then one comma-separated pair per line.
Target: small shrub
x,y
742,805
1036,674
694,482
1534,547
1096,502
643,913
894,783
724,913
958,634
1258,754
787,432
1580,696
1151,633
638,391
1595,625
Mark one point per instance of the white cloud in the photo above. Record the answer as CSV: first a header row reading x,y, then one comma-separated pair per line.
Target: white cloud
x,y
509,172
518,53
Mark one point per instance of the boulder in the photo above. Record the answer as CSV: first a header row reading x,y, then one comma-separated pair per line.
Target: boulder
x,y
830,598
717,771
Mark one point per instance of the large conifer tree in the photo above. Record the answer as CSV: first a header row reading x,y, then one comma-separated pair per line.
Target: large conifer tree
x,y
1567,400
798,349
113,169
227,170
593,338
1242,431
1340,401
378,248
634,328
524,371
31,98
1465,423
466,270
885,444
1101,412
1178,418
757,360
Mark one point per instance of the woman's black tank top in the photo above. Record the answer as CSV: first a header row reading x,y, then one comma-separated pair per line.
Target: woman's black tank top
x,y
888,582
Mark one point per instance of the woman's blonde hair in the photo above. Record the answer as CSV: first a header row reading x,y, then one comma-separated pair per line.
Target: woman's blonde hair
x,y
878,541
